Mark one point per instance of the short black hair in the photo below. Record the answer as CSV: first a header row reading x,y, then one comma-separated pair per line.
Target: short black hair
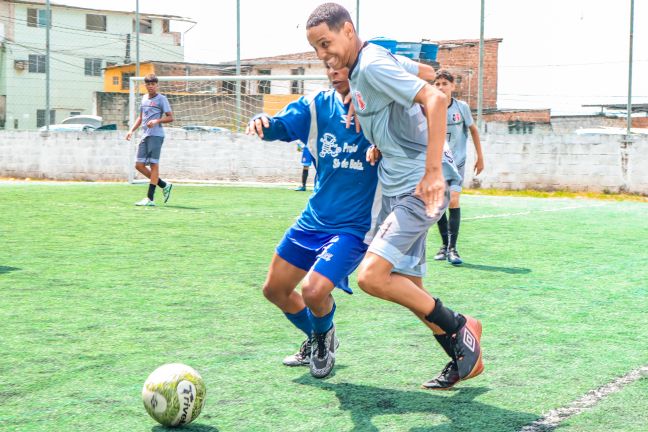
x,y
332,14
151,78
445,74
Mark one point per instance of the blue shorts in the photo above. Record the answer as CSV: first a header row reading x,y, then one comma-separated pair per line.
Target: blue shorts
x,y
307,158
334,256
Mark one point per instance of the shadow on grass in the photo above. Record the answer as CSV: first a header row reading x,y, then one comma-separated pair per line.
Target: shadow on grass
x,y
6,269
463,413
192,427
509,270
180,207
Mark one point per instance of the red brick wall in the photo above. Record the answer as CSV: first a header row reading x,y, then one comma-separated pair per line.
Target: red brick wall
x,y
535,116
463,61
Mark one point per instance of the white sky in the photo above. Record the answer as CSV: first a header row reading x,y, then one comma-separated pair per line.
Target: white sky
x,y
556,54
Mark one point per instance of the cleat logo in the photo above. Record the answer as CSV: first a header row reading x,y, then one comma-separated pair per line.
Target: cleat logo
x,y
469,341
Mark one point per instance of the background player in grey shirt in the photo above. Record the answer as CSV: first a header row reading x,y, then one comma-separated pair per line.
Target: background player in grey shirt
x,y
154,111
460,121
406,119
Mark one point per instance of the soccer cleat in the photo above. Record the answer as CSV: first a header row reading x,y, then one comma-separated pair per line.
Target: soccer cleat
x,y
442,254
145,203
448,377
300,188
301,357
467,349
323,353
166,191
453,257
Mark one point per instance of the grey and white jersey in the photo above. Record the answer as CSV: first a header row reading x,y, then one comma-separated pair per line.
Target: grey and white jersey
x,y
383,95
459,121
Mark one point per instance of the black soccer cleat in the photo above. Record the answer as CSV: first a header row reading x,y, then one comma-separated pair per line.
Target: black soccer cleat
x,y
453,257
323,353
442,254
448,377
301,357
467,349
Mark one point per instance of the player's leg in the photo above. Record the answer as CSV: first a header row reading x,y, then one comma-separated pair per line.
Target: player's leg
x,y
338,259
398,249
453,228
442,224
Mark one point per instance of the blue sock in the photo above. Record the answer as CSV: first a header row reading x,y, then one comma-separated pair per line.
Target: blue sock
x,y
323,324
301,321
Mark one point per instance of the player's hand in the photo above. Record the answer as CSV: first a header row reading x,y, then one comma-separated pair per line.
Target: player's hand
x,y
351,114
479,165
151,123
129,135
373,155
255,127
431,190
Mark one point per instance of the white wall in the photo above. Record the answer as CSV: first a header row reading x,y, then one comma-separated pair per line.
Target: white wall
x,y
543,161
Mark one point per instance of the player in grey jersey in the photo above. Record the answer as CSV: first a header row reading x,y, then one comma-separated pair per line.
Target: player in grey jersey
x,y
405,117
460,122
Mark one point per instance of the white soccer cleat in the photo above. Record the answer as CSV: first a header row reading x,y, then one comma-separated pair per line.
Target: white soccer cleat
x,y
145,203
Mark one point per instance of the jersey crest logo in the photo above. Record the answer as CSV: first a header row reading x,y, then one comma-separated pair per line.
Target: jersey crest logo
x,y
456,117
361,103
329,145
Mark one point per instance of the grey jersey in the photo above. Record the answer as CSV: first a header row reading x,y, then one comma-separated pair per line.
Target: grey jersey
x,y
459,121
383,93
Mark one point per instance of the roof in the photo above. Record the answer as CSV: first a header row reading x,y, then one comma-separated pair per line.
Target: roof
x,y
641,107
42,3
461,42
308,57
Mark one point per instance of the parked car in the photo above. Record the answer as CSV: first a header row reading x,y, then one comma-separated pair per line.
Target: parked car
x,y
202,128
80,123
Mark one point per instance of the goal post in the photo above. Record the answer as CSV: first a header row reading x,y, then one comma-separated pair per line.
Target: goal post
x,y
211,103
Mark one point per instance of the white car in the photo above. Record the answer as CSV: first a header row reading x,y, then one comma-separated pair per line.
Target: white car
x,y
77,123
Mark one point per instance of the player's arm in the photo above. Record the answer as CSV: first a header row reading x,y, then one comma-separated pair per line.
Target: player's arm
x,y
479,162
431,188
137,124
290,124
167,118
426,72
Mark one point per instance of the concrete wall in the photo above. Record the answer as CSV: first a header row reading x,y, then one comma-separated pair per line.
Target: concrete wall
x,y
185,155
537,161
562,162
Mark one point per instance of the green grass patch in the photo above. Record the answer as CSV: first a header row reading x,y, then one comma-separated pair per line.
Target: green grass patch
x,y
97,293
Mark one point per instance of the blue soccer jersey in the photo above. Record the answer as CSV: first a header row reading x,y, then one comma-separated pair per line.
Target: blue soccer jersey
x,y
345,183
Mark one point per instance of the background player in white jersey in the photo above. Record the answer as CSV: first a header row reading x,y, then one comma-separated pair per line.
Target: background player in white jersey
x,y
405,117
327,242
154,111
460,121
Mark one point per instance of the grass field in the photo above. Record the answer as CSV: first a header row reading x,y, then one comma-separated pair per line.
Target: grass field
x,y
96,293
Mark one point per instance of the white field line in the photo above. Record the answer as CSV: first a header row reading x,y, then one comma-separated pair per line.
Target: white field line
x,y
553,418
528,212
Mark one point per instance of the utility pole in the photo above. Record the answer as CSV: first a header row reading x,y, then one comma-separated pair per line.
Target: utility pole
x,y
137,40
358,16
629,109
238,65
480,81
47,66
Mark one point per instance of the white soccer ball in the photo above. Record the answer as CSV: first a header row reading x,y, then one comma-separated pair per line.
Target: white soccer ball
x,y
174,394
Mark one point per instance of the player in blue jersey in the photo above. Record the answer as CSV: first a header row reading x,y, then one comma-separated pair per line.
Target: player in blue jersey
x,y
328,241
154,111
459,123
405,117
306,161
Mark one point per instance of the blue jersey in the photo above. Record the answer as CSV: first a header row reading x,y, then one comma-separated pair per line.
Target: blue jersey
x,y
345,183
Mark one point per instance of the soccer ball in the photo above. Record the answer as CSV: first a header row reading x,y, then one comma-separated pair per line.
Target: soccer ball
x,y
174,394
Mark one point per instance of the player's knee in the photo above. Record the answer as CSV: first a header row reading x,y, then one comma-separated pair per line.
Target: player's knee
x,y
313,294
454,199
370,281
139,165
270,293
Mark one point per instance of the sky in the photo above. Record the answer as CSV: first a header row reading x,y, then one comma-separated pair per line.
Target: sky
x,y
557,54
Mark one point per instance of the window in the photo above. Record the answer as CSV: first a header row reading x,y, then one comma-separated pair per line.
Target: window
x,y
40,117
36,63
37,17
146,26
115,80
297,86
126,79
75,113
166,26
229,87
96,22
264,85
93,67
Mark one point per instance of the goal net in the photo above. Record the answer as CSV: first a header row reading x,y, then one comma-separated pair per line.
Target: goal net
x,y
217,109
